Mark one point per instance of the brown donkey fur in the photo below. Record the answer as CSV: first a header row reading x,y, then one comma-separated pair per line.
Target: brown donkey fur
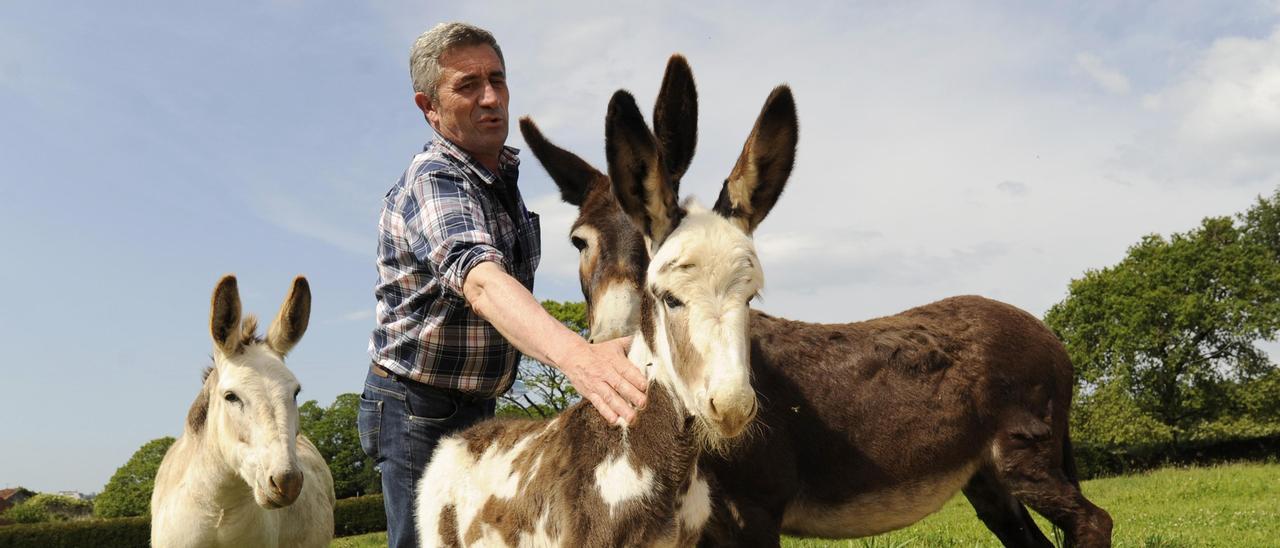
x,y
863,427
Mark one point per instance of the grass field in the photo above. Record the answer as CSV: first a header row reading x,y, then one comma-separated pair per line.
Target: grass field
x,y
1230,506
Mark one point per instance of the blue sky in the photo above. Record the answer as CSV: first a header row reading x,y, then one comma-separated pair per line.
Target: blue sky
x,y
991,148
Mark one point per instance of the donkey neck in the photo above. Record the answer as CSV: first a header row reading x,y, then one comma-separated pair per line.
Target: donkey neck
x,y
664,414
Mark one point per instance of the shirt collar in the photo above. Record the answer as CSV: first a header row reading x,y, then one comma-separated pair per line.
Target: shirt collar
x,y
508,158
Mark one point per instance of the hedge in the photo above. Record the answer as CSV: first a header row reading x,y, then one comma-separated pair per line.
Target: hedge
x,y
359,515
351,516
89,533
1099,461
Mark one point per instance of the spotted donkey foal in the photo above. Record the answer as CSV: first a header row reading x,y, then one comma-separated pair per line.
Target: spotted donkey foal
x,y
578,481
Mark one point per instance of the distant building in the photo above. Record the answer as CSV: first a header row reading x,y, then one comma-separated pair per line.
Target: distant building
x,y
75,495
13,497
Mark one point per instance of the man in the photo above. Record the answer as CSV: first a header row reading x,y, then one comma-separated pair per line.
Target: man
x,y
456,256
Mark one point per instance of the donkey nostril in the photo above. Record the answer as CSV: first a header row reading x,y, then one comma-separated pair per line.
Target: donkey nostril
x,y
714,411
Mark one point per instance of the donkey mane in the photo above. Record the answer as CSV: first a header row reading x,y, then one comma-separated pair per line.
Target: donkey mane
x,y
249,330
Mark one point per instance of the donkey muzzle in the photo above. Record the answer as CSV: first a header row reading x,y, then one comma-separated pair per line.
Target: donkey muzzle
x,y
284,487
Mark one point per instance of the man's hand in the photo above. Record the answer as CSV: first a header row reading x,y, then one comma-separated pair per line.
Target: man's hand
x,y
605,377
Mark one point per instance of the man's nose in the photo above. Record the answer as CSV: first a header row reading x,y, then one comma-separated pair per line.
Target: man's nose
x,y
489,95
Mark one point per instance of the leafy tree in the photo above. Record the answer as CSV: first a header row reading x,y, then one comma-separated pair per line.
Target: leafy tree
x,y
1262,223
546,391
1163,341
333,431
128,492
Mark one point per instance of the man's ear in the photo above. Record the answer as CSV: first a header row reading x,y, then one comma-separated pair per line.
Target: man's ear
x,y
424,104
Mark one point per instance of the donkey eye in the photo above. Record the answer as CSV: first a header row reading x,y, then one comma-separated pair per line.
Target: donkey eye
x,y
579,243
671,301
231,397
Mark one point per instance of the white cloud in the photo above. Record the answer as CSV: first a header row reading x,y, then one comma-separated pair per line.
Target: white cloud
x,y
358,315
559,258
1107,77
1219,121
1013,188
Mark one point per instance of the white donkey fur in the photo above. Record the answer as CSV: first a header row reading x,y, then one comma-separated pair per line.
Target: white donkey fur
x,y
232,478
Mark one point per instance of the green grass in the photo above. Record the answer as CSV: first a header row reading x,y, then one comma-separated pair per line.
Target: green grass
x,y
1228,506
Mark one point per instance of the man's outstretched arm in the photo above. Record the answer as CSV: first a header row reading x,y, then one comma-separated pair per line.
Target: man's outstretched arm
x,y
600,372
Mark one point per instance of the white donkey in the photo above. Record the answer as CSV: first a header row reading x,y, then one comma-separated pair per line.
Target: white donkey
x,y
242,474
577,481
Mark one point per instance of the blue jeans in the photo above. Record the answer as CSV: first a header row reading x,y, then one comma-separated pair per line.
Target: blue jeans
x,y
400,422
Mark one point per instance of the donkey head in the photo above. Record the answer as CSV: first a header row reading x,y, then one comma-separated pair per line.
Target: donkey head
x,y
703,269
612,254
248,407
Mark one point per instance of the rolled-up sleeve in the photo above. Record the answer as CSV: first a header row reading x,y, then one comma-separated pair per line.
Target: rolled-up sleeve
x,y
447,228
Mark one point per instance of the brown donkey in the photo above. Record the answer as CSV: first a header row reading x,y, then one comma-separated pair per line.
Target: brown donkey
x,y
863,427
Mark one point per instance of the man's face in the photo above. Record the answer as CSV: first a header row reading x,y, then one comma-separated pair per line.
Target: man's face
x,y
471,104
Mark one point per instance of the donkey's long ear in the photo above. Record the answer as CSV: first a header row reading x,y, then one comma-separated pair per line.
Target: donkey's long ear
x,y
224,316
571,173
291,322
765,164
640,183
675,118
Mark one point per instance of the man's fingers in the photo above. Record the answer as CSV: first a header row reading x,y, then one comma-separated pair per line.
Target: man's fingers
x,y
629,392
605,411
633,375
620,407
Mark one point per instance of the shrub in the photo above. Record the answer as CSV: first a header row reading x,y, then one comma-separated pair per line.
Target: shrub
x,y
351,516
1102,460
47,507
359,515
124,532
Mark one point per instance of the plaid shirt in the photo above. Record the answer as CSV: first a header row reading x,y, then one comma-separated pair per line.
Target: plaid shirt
x,y
443,217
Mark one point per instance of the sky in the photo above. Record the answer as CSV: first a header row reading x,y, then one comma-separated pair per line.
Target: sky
x,y
991,148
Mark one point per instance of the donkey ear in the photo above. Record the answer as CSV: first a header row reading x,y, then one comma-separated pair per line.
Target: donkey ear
x,y
291,322
571,173
765,164
224,316
675,117
640,183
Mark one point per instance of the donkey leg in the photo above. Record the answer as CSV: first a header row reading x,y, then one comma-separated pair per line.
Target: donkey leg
x,y
1002,513
748,526
1032,468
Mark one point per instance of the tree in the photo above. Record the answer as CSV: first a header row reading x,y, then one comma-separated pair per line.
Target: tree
x,y
1169,334
128,492
542,390
334,432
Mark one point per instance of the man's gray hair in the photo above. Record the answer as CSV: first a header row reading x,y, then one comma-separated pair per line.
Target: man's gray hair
x,y
424,58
